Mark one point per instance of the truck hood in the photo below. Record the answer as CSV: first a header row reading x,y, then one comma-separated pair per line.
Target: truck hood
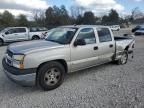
x,y
33,46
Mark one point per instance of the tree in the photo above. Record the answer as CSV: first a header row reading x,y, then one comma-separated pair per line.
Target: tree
x,y
111,18
65,19
56,16
22,20
79,20
136,13
39,18
89,18
105,19
7,19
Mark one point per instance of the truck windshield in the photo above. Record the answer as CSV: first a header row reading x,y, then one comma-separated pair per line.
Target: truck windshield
x,y
61,35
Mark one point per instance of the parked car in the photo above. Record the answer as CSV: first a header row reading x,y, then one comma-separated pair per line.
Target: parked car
x,y
12,34
140,31
115,27
66,49
137,28
39,30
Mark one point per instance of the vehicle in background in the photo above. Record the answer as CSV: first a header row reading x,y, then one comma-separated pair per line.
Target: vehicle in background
x,y
140,31
115,27
137,28
39,31
12,34
65,49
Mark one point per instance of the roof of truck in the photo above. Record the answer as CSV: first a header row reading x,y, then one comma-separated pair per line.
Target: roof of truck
x,y
83,26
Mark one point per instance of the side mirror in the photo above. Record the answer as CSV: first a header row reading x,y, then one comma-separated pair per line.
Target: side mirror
x,y
79,42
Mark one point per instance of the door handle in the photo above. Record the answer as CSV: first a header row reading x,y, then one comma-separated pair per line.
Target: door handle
x,y
96,48
111,45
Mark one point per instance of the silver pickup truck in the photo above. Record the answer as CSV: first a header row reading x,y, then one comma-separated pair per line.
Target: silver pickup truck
x,y
65,49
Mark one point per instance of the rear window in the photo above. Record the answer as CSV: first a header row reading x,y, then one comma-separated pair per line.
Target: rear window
x,y
21,30
37,29
104,35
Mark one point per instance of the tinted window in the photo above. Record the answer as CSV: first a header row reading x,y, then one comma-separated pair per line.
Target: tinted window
x,y
38,29
87,35
11,31
21,30
104,35
141,29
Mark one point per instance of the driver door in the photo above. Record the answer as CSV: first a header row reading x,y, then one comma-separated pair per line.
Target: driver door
x,y
10,35
82,56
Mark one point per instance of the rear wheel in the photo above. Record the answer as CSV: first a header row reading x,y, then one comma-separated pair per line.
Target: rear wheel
x,y
35,38
123,59
51,75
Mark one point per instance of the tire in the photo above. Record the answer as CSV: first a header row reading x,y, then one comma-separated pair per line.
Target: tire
x,y
51,75
35,38
1,42
137,34
123,59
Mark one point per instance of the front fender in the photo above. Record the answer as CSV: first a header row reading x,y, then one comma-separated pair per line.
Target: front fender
x,y
33,60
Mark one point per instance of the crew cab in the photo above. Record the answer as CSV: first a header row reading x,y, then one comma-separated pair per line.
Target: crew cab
x,y
115,27
66,49
12,34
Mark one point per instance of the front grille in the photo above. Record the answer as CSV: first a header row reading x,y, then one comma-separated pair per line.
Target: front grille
x,y
10,54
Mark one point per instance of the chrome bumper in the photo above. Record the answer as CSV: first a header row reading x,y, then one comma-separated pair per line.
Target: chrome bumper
x,y
24,80
22,77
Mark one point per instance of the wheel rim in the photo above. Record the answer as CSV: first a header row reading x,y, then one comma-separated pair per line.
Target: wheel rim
x,y
52,76
124,58
35,38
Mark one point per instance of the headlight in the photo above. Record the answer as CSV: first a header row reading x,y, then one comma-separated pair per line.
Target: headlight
x,y
18,57
18,61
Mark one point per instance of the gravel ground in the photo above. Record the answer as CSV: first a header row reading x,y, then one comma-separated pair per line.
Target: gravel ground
x,y
105,86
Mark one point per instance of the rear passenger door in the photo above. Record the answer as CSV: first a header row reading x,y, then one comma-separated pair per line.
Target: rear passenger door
x,y
21,34
106,45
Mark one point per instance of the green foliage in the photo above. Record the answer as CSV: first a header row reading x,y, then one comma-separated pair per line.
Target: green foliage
x,y
89,18
7,19
111,18
56,16
22,20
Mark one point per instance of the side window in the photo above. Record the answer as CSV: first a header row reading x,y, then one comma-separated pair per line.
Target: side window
x,y
21,30
88,35
104,35
11,31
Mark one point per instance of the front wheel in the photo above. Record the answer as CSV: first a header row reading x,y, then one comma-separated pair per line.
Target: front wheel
x,y
51,75
123,59
1,42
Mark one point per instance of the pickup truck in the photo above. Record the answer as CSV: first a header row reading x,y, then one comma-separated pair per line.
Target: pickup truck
x,y
12,34
65,49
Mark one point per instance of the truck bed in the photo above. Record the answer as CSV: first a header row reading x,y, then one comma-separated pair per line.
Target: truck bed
x,y
123,42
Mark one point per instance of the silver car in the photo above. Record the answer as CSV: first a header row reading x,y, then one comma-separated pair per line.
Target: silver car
x,y
65,49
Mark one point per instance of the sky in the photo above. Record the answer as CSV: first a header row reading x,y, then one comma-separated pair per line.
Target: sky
x,y
99,7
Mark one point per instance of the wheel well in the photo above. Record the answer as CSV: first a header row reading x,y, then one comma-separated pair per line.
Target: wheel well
x,y
126,49
1,39
63,62
35,36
